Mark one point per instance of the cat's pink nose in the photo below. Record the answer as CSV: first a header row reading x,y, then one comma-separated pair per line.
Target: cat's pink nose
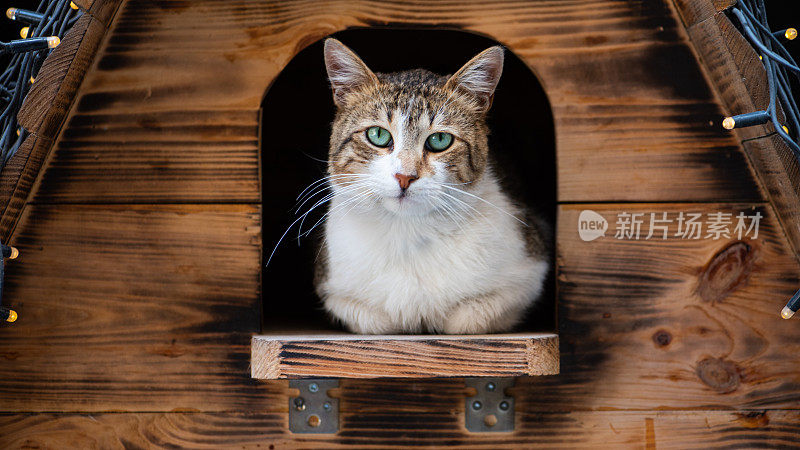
x,y
405,180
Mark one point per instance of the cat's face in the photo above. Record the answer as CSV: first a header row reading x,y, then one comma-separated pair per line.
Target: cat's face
x,y
405,140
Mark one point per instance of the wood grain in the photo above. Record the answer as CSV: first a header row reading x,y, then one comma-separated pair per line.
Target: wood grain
x,y
635,331
132,308
673,323
734,70
126,306
16,179
740,80
423,356
44,110
601,429
169,156
48,101
780,170
616,110
695,11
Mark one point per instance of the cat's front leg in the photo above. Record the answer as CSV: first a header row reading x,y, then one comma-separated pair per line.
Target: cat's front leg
x,y
491,313
360,317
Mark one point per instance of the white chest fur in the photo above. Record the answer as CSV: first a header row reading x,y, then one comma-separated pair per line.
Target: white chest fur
x,y
416,270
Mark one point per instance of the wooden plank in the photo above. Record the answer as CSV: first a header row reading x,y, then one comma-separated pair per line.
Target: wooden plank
x,y
616,109
635,331
734,70
779,168
16,179
600,429
135,308
170,156
695,11
102,10
50,97
44,110
740,79
675,323
404,356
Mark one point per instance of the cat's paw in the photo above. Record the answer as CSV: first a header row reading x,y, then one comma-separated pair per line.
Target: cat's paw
x,y
480,317
359,317
463,321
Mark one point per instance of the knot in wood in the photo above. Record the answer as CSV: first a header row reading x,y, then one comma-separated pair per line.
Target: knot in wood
x,y
662,338
753,419
718,374
727,271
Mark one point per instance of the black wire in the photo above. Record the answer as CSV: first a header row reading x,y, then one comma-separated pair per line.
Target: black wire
x,y
58,17
15,78
778,63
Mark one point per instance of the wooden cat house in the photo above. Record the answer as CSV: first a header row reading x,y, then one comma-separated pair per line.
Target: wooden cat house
x,y
164,155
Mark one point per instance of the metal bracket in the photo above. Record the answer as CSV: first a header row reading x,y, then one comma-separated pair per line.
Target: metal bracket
x,y
490,409
314,411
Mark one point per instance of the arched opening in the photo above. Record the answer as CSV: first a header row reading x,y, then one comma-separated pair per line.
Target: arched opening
x,y
296,115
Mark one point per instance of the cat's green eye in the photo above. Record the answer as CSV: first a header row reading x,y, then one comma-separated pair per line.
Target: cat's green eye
x,y
379,137
438,142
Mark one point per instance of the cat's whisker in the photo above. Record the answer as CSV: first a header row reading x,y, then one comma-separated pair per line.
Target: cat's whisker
x,y
465,212
305,215
299,219
454,215
281,239
488,203
323,188
355,201
313,186
456,184
348,189
314,183
472,210
329,178
315,158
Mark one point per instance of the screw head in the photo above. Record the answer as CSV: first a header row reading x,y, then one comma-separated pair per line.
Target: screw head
x,y
327,406
490,386
477,405
313,387
504,405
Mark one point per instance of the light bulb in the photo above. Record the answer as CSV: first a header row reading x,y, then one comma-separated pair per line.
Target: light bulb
x,y
728,123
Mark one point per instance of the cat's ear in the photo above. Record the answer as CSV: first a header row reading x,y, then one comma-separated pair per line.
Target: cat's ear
x,y
346,71
480,75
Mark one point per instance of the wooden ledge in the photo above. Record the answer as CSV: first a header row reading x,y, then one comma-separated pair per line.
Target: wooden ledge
x,y
344,355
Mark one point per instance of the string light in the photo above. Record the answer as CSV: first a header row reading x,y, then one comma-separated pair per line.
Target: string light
x,y
746,120
41,32
778,64
794,304
29,45
790,34
23,15
9,315
7,252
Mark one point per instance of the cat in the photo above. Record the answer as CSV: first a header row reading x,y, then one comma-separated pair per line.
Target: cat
x,y
420,236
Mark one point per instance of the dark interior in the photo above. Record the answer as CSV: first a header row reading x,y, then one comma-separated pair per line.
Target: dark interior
x,y
296,114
